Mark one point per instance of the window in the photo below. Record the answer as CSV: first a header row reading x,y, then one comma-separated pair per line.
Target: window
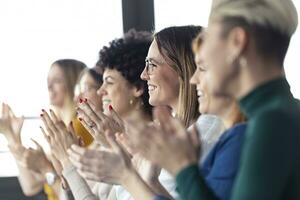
x,y
178,12
36,33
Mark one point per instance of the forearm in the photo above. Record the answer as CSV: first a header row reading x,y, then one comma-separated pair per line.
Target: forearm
x,y
31,183
138,189
78,186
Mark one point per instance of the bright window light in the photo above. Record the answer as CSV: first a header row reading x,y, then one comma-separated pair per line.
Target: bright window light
x,y
195,12
35,33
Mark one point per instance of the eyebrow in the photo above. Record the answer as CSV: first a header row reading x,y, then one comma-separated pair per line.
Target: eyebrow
x,y
152,60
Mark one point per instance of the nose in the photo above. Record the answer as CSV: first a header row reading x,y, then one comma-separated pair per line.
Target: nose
x,y
194,79
144,75
101,91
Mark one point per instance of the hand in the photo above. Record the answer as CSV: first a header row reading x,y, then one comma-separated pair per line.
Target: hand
x,y
59,137
56,165
147,170
10,125
166,144
36,160
112,166
97,122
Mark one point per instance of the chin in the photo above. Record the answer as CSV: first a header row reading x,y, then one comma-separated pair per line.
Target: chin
x,y
153,101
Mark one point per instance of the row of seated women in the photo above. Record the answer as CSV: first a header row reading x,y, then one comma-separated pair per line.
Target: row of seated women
x,y
185,113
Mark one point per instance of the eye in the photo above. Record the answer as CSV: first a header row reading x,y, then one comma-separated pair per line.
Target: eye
x,y
108,81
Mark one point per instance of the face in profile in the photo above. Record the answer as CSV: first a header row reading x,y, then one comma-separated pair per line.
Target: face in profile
x,y
216,52
57,86
117,92
87,88
162,80
208,103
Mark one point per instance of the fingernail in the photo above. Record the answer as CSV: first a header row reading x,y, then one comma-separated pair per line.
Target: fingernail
x,y
110,107
85,100
80,119
71,123
43,110
51,110
41,115
80,100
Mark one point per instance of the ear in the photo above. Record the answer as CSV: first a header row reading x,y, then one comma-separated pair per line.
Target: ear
x,y
137,92
237,41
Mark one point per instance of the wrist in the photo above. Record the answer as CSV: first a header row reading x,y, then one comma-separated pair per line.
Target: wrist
x,y
129,177
47,168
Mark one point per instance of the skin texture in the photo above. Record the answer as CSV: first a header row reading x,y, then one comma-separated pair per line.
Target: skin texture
x,y
163,83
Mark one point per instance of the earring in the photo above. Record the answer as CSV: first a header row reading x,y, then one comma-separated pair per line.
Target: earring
x,y
131,101
243,62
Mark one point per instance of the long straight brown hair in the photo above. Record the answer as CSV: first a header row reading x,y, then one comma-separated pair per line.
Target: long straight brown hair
x,y
175,45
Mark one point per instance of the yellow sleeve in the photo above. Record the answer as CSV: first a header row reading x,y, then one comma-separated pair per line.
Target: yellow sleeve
x,y
82,132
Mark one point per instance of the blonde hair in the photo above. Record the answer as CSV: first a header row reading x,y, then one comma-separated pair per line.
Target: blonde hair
x,y
71,69
281,15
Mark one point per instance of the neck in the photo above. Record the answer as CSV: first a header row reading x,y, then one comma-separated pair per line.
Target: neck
x,y
66,112
230,116
136,114
255,75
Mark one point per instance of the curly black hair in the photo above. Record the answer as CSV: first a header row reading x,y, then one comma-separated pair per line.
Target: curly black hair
x,y
127,55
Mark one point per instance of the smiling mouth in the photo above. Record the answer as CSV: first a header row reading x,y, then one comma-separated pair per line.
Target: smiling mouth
x,y
151,87
106,101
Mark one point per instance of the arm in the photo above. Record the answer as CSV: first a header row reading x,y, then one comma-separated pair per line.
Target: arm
x,y
78,185
268,158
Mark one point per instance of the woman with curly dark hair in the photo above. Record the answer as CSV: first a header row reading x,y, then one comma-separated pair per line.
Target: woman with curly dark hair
x,y
124,92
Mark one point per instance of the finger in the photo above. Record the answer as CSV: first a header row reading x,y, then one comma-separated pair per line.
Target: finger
x,y
77,149
39,147
91,130
87,109
90,176
4,111
115,115
48,139
82,116
114,144
80,141
71,130
10,112
50,127
53,115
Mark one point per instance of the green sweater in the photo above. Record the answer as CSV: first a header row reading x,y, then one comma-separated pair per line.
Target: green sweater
x,y
270,163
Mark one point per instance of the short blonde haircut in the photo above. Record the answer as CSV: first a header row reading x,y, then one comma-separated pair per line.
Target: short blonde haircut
x,y
281,15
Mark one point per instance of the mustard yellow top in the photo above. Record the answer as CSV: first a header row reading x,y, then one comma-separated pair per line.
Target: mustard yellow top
x,y
82,132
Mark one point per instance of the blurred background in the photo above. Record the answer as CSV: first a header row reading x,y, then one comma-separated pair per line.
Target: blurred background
x,y
34,33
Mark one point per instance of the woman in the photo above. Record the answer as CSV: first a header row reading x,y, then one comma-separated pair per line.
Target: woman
x,y
122,91
89,81
220,166
169,66
62,78
250,41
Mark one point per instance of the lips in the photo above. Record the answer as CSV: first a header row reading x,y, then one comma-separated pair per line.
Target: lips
x,y
151,87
